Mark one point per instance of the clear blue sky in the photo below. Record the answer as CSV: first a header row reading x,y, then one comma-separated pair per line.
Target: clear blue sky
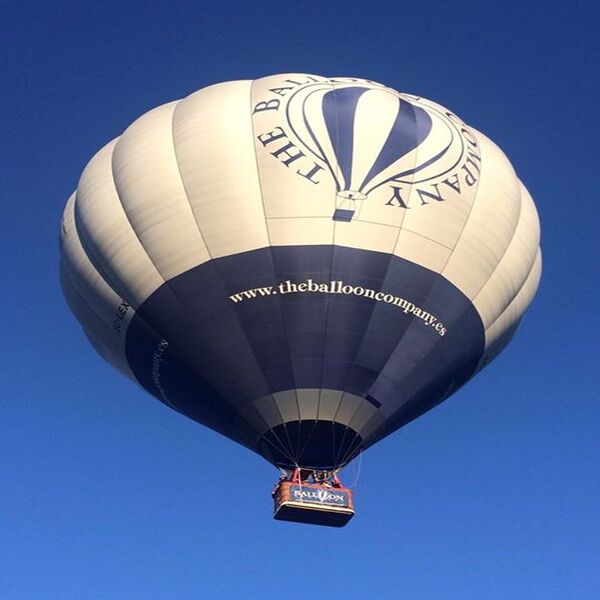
x,y
107,494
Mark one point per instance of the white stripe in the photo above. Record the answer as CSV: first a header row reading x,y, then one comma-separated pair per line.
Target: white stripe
x,y
108,235
370,134
514,311
490,224
149,185
514,267
99,309
215,151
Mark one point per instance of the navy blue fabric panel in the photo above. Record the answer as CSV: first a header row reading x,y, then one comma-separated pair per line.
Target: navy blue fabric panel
x,y
305,314
339,108
224,354
188,286
180,387
308,260
367,267
351,317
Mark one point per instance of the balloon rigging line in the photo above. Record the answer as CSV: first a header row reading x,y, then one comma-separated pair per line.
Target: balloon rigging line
x,y
358,469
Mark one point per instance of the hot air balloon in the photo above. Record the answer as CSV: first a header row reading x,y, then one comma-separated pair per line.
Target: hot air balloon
x,y
302,264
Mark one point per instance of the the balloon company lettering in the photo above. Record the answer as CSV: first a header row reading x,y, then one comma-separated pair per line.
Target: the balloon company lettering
x,y
340,287
423,155
331,496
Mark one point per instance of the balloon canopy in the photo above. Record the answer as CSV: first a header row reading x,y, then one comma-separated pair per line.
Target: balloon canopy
x,y
303,264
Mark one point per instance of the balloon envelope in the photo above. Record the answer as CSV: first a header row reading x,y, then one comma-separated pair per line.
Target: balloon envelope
x,y
304,264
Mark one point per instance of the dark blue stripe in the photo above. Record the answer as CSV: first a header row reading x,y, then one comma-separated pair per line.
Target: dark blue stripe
x,y
223,355
339,109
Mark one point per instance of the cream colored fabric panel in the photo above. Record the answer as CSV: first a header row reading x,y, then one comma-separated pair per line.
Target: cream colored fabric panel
x,y
324,405
214,145
329,402
287,402
105,341
347,408
363,416
102,299
288,188
490,225
300,231
514,267
375,209
369,134
107,235
437,211
103,314
421,251
88,319
308,404
367,236
149,185
514,311
439,221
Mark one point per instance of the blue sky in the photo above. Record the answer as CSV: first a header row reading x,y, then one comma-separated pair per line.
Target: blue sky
x,y
107,494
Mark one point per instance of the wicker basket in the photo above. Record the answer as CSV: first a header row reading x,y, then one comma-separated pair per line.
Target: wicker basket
x,y
313,503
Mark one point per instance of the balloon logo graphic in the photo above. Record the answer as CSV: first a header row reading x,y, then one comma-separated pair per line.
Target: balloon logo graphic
x,y
338,129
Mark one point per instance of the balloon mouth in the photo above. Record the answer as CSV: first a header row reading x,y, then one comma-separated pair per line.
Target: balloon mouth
x,y
348,204
327,445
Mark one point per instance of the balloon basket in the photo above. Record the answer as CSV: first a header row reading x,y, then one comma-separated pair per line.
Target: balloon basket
x,y
328,503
